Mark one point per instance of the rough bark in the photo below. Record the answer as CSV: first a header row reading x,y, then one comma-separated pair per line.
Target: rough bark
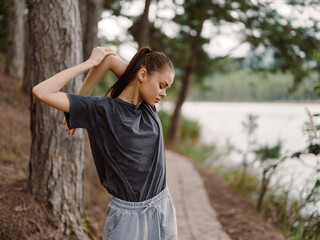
x,y
15,58
27,82
57,160
90,14
174,134
144,29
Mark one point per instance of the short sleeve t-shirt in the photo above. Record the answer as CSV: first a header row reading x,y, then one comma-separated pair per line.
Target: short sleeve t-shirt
x,y
126,142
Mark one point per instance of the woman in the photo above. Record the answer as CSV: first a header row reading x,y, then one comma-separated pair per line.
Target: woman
x,y
125,136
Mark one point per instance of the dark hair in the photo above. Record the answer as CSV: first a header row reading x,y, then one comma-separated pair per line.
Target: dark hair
x,y
153,61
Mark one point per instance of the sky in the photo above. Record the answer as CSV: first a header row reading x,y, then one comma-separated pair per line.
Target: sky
x,y
223,39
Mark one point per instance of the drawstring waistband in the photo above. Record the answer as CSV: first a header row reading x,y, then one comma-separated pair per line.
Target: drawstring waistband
x,y
126,205
153,205
150,205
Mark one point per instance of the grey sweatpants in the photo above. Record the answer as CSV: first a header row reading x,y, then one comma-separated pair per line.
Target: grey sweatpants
x,y
152,219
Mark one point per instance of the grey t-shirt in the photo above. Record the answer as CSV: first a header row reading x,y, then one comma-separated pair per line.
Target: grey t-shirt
x,y
126,143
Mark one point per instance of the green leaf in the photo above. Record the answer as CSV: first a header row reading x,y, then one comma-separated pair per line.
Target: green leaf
x,y
314,149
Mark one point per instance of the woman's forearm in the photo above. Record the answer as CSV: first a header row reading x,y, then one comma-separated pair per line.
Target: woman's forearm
x,y
112,62
87,86
94,76
59,80
118,66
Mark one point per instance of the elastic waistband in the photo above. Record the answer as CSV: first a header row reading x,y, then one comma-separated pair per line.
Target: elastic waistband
x,y
122,204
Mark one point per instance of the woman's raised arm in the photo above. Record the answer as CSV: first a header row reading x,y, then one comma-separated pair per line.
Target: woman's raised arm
x,y
112,62
48,91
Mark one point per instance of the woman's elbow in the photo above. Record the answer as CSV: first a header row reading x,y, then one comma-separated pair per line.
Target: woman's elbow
x,y
36,91
106,62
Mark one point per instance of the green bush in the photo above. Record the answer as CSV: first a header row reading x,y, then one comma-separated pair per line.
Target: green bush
x,y
286,212
165,121
103,86
233,175
198,152
190,130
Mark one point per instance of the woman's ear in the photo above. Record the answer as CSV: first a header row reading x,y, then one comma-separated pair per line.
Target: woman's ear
x,y
142,74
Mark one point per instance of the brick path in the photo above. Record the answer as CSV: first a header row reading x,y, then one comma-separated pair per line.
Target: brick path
x,y
196,218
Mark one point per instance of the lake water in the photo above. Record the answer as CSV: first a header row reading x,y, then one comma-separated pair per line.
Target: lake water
x,y
276,121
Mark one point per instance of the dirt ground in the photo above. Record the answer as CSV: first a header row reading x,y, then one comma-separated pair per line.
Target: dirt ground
x,y
22,217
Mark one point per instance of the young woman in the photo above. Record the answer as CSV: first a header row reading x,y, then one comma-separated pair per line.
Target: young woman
x,y
126,138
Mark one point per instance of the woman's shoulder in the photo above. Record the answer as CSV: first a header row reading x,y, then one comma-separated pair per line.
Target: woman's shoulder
x,y
109,103
103,101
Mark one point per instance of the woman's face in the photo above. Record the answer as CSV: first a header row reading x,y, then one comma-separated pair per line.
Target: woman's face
x,y
153,87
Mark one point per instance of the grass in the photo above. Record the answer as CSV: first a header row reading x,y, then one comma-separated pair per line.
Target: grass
x,y
190,130
198,152
10,149
15,97
232,175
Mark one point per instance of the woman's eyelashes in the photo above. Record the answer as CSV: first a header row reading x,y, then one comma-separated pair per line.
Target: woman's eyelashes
x,y
162,86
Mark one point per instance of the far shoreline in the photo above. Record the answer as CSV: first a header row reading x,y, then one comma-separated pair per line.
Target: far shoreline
x,y
276,102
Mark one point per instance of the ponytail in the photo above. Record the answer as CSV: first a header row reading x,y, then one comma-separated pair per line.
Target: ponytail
x,y
153,61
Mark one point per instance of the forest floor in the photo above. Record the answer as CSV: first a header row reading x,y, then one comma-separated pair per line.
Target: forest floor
x,y
22,217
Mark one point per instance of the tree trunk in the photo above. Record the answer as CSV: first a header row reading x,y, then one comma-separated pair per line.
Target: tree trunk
x,y
27,82
57,160
15,58
144,29
174,135
90,14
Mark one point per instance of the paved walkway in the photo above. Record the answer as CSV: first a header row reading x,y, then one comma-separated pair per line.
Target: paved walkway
x,y
196,218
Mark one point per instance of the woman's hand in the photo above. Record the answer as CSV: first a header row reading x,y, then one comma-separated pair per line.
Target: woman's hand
x,y
70,132
98,54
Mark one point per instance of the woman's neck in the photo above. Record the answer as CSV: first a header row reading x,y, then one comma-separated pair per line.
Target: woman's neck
x,y
131,93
